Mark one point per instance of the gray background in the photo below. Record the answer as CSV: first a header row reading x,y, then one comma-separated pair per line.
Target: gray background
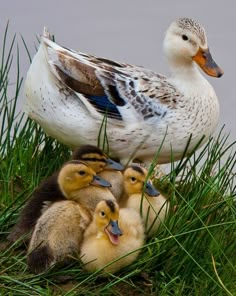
x,y
129,31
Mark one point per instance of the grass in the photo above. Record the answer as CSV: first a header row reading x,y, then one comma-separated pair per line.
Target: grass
x,y
194,250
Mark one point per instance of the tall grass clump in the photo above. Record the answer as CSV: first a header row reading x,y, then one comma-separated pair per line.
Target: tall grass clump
x,y
26,153
193,252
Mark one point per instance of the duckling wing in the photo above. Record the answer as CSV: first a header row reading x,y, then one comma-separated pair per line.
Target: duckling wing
x,y
121,91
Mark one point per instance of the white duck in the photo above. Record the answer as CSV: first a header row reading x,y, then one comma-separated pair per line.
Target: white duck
x,y
69,93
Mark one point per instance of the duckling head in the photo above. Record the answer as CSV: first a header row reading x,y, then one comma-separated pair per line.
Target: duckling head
x,y
75,175
96,158
185,42
134,181
106,219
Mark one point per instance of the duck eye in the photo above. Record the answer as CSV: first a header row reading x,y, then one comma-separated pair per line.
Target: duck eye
x,y
133,179
81,173
184,37
102,213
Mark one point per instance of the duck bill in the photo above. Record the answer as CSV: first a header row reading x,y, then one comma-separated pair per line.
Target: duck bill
x,y
204,59
151,190
98,181
115,229
113,232
113,165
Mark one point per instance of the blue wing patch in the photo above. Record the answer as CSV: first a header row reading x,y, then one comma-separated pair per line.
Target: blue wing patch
x,y
104,106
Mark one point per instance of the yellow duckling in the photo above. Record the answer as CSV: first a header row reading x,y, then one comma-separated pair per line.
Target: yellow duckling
x,y
79,189
147,201
59,230
48,191
105,167
113,233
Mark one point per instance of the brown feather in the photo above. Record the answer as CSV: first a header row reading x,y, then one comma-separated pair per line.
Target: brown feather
x,y
48,190
84,80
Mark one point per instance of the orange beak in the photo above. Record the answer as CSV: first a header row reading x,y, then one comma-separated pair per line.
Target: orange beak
x,y
204,59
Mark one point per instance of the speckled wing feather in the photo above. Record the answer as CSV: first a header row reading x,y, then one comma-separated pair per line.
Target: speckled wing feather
x,y
123,91
148,93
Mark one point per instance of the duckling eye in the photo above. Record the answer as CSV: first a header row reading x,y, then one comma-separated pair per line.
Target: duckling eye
x,y
102,213
133,179
184,37
81,173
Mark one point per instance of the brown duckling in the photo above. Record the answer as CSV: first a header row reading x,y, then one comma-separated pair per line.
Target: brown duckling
x,y
59,230
57,235
112,234
147,201
48,191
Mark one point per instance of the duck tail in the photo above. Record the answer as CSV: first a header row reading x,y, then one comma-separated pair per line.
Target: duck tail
x,y
40,259
47,34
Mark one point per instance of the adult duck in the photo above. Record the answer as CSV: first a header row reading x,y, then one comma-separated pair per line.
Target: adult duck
x,y
70,93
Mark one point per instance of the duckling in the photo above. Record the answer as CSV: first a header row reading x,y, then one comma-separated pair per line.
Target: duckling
x,y
113,233
87,196
48,191
57,235
105,167
59,230
152,206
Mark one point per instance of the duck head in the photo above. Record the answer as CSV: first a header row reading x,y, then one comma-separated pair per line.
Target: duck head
x,y
75,175
106,218
134,181
96,158
186,42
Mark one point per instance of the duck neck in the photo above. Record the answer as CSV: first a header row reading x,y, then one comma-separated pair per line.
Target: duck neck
x,y
71,195
187,78
185,71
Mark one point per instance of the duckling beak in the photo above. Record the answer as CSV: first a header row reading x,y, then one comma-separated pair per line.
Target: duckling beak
x,y
204,59
113,231
100,182
113,165
115,228
151,190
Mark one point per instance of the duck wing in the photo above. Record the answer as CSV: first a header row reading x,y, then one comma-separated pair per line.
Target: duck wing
x,y
122,91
